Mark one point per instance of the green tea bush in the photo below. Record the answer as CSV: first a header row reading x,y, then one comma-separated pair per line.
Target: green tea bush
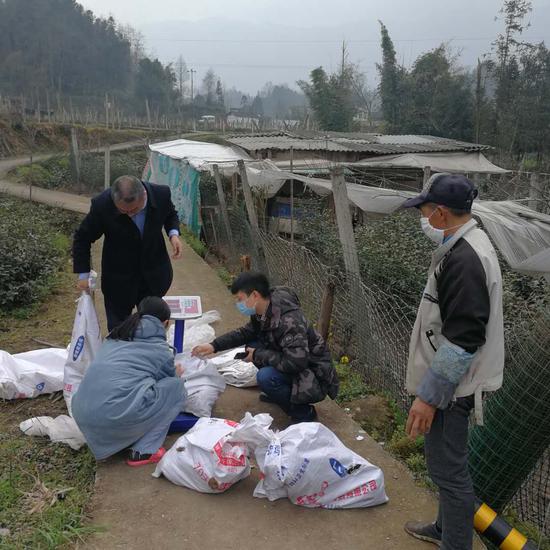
x,y
92,169
194,242
53,173
394,254
33,245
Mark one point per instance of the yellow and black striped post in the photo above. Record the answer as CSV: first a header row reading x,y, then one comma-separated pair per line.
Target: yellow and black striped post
x,y
489,524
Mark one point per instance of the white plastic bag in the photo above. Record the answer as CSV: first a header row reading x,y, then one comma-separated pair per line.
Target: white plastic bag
x,y
197,335
203,383
85,341
197,331
309,464
209,458
236,372
207,318
32,373
62,429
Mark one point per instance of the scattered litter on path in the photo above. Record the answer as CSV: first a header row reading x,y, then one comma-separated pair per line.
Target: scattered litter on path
x,y
62,429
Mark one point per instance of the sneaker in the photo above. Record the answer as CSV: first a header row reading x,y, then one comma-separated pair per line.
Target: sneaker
x,y
265,398
141,459
311,417
428,532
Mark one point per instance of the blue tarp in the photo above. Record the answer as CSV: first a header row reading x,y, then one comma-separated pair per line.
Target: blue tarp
x,y
183,181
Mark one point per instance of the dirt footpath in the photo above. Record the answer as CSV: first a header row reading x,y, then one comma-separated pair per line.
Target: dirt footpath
x,y
141,512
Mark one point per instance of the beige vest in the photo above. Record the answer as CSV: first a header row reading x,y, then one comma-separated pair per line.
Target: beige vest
x,y
485,373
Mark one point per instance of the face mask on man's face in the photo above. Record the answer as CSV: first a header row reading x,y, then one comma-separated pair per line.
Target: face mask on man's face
x,y
434,234
244,309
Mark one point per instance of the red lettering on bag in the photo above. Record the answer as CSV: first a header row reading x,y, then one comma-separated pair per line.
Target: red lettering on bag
x,y
226,459
312,499
201,473
359,491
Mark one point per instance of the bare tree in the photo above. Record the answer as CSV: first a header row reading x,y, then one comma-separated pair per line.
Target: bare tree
x,y
182,75
209,85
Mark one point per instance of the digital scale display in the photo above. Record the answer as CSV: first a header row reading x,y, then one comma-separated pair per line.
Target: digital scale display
x,y
184,307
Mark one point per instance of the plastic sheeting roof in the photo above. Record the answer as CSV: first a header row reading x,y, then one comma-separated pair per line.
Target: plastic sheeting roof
x,y
377,200
520,233
199,154
438,162
202,156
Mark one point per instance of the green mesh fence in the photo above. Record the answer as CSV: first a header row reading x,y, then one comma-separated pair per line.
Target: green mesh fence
x,y
505,451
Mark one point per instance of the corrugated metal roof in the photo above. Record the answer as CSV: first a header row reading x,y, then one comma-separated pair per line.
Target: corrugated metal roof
x,y
284,143
403,139
315,134
354,142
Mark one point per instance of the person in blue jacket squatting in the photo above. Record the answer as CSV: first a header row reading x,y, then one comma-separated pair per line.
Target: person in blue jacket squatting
x,y
132,390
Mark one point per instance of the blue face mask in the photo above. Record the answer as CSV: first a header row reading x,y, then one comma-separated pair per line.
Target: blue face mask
x,y
244,309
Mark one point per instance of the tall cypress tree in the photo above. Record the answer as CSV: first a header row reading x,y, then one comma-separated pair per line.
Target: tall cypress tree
x,y
391,88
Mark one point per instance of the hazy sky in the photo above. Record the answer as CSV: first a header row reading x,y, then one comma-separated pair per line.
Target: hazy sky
x,y
250,42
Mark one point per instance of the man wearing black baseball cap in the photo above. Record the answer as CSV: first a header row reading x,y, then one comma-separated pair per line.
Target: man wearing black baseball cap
x,y
456,351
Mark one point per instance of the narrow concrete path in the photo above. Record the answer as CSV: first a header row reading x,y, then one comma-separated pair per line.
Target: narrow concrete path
x,y
136,511
140,512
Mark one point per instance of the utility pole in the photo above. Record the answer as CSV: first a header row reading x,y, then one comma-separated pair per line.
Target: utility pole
x,y
192,72
181,69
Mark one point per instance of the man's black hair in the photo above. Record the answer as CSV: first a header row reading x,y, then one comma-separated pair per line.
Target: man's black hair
x,y
457,212
249,281
454,211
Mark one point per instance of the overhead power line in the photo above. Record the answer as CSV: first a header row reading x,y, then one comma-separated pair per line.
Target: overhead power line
x,y
366,41
248,66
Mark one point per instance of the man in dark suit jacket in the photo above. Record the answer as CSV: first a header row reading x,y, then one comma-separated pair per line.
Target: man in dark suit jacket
x,y
135,261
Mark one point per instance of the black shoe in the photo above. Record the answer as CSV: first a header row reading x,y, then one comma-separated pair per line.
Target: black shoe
x,y
265,398
311,417
428,532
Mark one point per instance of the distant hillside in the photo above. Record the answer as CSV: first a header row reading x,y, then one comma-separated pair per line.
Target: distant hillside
x,y
51,50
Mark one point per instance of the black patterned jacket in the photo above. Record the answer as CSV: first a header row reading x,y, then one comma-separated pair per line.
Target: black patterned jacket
x,y
284,339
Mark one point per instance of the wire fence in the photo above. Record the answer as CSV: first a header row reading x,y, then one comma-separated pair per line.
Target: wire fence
x,y
371,324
